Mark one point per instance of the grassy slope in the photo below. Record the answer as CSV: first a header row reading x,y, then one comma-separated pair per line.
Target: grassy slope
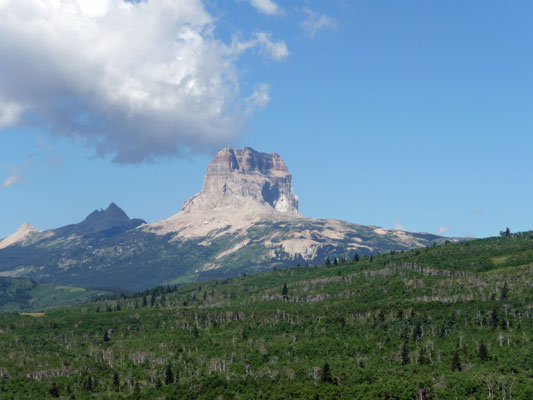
x,y
239,338
27,295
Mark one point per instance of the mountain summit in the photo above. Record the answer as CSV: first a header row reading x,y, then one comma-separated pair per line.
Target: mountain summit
x,y
109,221
245,178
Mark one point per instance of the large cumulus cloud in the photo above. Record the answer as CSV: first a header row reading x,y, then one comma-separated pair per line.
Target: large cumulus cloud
x,y
137,80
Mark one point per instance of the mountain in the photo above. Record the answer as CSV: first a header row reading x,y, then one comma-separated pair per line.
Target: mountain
x,y
445,322
244,220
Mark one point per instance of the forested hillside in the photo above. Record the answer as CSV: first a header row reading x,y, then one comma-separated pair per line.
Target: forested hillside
x,y
445,322
19,294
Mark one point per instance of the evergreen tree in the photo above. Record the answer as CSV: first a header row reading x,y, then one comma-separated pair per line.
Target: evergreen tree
x,y
417,334
145,302
483,352
116,382
285,291
106,336
405,354
54,390
169,375
422,357
456,362
399,315
505,291
494,318
328,262
325,375
356,258
88,386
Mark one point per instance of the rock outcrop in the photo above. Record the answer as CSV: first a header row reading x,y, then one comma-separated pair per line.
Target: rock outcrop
x,y
244,178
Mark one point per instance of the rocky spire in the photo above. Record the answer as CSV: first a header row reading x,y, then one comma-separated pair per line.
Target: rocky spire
x,y
246,179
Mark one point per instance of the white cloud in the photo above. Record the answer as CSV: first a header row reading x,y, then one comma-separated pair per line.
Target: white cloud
x,y
267,7
441,230
278,51
316,22
260,98
15,176
137,80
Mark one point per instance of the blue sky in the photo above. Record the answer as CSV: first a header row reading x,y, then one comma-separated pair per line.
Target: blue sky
x,y
410,114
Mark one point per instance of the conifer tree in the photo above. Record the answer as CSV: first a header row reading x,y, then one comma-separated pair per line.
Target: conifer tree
x,y
494,318
417,334
106,336
325,375
456,362
483,352
169,375
505,291
89,384
356,257
422,358
285,291
405,354
116,382
54,390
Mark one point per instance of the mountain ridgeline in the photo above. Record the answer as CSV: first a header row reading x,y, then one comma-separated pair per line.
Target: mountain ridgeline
x,y
450,321
244,220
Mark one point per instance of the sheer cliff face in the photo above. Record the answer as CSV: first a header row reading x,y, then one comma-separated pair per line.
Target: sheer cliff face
x,y
246,179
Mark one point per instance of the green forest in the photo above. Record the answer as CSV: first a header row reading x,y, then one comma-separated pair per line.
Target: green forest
x,y
450,321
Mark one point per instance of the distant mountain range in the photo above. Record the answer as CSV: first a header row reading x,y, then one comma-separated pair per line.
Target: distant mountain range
x,y
244,220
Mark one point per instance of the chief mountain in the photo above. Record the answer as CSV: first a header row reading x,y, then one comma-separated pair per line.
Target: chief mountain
x,y
244,220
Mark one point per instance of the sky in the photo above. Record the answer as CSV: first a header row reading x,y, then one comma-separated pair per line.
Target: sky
x,y
413,115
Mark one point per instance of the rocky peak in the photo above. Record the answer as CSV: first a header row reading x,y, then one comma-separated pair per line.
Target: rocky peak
x,y
112,219
23,234
246,179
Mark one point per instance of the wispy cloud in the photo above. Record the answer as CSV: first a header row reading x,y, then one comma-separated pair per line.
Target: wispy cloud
x,y
15,175
260,98
152,79
398,226
50,156
441,230
267,7
316,22
262,41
